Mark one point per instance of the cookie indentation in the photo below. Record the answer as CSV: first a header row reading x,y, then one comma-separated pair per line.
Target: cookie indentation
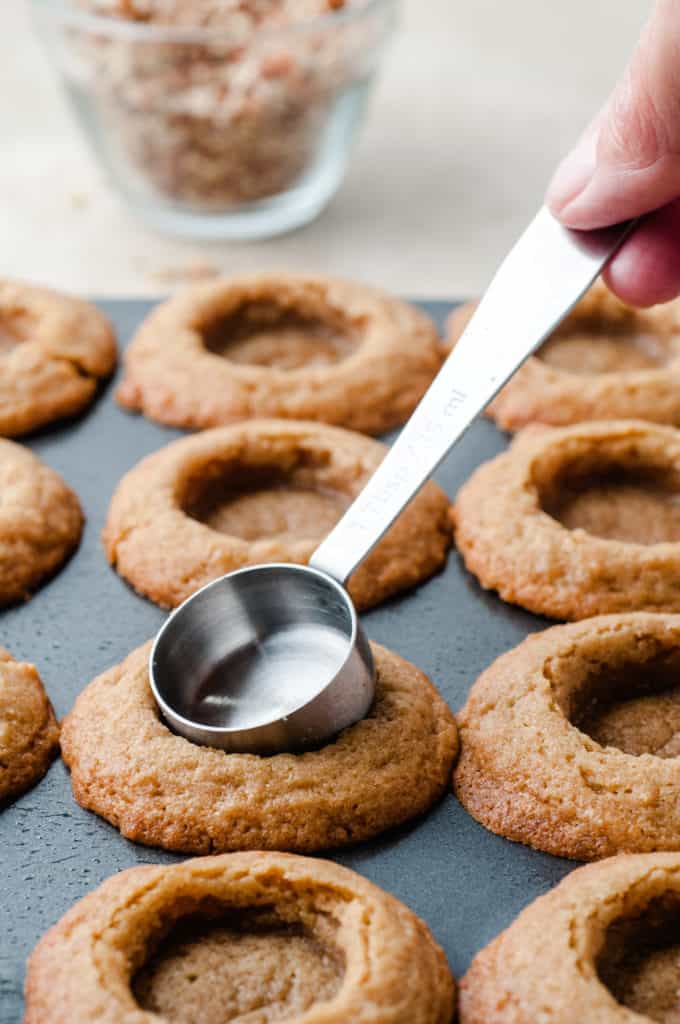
x,y
254,937
570,743
640,961
603,945
263,334
247,963
595,347
578,521
631,705
262,491
637,506
290,346
255,503
605,361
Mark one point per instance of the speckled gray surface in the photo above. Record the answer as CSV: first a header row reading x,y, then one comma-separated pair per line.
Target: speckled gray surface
x,y
466,883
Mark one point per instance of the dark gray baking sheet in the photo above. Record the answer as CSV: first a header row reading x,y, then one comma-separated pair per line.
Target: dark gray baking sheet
x,y
465,882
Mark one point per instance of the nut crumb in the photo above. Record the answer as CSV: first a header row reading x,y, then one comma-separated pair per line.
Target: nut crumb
x,y
188,273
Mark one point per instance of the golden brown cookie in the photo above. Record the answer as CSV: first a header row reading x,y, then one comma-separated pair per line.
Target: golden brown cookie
x,y
40,522
578,521
601,947
162,790
246,936
29,734
605,361
261,491
54,350
570,742
284,345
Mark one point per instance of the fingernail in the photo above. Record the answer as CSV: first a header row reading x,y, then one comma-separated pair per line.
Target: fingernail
x,y
573,174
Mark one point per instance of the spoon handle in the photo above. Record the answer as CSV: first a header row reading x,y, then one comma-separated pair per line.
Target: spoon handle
x,y
541,278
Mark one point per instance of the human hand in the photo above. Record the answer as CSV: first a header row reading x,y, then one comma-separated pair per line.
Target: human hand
x,y
627,163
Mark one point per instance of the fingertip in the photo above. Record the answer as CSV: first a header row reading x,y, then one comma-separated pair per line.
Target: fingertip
x,y
646,270
570,179
574,172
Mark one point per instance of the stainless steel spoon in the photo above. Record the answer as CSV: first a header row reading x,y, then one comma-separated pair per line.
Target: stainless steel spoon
x,y
273,657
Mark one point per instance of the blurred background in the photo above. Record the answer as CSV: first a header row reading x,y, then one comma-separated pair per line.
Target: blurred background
x,y
473,107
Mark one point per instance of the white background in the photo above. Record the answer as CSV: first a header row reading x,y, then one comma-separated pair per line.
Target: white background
x,y
476,102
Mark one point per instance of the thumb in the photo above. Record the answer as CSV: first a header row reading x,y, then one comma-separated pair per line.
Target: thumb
x,y
628,161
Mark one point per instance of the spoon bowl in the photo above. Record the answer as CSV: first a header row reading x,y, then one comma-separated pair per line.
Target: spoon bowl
x,y
265,659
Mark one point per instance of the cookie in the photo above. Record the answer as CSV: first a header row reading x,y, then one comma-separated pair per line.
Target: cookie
x,y
261,491
570,742
281,345
601,947
40,522
54,351
578,521
244,936
29,734
605,361
162,790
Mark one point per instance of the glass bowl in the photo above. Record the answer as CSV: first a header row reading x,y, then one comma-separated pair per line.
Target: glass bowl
x,y
215,133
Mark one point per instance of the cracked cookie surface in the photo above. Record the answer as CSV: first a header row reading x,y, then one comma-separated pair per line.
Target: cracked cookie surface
x,y
29,734
281,345
54,351
570,741
605,361
261,491
353,952
40,522
163,790
602,946
577,521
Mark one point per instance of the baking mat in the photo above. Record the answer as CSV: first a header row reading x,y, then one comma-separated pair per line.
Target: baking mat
x,y
465,882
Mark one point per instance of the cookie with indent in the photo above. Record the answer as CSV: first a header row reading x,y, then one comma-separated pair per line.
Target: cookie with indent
x,y
570,742
160,789
244,936
294,346
262,491
55,350
577,521
605,361
602,946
